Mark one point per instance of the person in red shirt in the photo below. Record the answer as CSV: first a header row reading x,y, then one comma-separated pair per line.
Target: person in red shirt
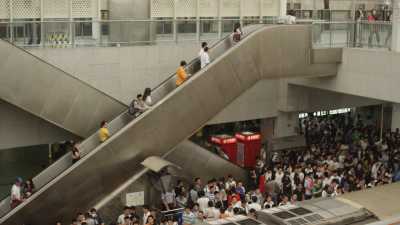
x,y
374,28
231,195
261,183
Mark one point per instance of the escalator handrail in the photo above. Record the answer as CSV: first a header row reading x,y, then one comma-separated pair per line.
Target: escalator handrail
x,y
66,170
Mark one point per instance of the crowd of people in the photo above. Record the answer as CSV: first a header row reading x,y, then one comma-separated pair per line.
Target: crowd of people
x,y
342,155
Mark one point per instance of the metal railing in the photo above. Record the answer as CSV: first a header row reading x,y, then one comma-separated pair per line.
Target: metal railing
x,y
352,34
79,33
104,33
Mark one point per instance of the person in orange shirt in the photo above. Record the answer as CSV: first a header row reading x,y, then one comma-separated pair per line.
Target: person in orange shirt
x,y
181,75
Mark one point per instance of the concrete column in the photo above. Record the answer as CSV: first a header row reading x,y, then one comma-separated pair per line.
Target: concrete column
x,y
96,24
198,20
220,19
395,116
396,26
267,129
286,124
282,7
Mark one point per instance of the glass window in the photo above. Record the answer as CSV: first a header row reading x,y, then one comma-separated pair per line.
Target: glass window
x,y
83,28
188,25
164,27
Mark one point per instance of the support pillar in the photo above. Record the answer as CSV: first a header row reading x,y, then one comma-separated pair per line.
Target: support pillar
x,y
286,124
395,116
396,26
282,7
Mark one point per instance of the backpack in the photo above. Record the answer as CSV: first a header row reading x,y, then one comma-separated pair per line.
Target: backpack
x,y
133,110
236,37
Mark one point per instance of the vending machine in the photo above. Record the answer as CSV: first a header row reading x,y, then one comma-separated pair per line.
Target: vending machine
x,y
248,148
227,144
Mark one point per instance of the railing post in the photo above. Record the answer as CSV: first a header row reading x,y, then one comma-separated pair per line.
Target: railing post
x,y
10,2
175,30
198,20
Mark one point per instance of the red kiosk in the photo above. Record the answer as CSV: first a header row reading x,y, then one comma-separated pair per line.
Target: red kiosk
x,y
227,144
248,148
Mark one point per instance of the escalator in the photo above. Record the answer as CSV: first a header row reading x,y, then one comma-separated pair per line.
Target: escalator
x,y
267,53
190,159
49,93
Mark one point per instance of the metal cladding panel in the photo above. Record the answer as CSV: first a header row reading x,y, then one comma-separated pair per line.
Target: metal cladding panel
x,y
52,94
208,8
4,9
271,7
307,4
84,9
56,8
186,8
230,8
22,9
162,8
175,117
251,8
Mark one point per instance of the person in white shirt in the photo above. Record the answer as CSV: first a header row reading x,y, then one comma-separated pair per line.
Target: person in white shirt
x,y
254,205
16,193
278,177
285,201
291,19
147,97
269,203
203,45
230,183
121,218
202,201
204,58
212,212
146,214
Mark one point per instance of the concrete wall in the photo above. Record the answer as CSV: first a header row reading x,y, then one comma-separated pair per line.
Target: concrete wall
x,y
19,128
121,72
132,9
260,101
369,73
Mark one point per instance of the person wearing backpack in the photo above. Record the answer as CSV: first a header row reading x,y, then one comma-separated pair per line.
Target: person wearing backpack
x,y
138,106
237,33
